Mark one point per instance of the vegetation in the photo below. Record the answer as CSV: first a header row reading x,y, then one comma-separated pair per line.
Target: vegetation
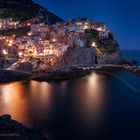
x,y
23,10
103,44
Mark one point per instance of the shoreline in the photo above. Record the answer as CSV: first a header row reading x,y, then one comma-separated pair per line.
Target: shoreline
x,y
133,69
8,76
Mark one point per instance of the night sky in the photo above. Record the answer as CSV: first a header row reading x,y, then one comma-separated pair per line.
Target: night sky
x,y
122,16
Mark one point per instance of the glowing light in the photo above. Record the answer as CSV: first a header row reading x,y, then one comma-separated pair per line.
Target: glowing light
x,y
5,52
51,59
53,40
85,27
11,41
28,24
14,36
79,23
29,34
20,54
7,40
15,23
94,44
35,53
99,29
10,45
48,52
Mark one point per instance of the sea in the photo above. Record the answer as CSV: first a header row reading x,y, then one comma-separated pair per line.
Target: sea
x,y
104,105
132,55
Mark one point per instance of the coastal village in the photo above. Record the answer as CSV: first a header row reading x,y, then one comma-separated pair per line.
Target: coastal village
x,y
45,41
66,79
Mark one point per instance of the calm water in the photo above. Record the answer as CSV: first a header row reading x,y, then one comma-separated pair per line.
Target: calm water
x,y
132,55
103,105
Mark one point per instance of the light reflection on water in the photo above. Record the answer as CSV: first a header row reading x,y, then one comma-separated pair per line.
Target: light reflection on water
x,y
34,100
75,108
90,98
13,101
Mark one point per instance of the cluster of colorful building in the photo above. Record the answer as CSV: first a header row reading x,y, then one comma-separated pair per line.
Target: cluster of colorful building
x,y
48,40
9,23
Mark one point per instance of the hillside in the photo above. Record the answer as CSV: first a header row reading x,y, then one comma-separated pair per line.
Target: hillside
x,y
23,10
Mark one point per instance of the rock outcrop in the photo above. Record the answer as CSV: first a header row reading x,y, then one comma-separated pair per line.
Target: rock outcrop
x,y
31,65
77,56
12,130
10,75
22,65
108,58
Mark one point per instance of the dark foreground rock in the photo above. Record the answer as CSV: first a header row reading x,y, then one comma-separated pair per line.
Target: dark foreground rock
x,y
10,76
12,130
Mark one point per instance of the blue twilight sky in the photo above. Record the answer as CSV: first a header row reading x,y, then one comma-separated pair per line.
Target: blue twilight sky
x,y
123,16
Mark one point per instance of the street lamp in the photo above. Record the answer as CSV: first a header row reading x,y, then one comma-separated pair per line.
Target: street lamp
x,y
5,52
93,44
20,54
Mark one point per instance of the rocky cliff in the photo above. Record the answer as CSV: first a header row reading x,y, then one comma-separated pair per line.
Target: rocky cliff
x,y
107,51
77,56
109,58
25,10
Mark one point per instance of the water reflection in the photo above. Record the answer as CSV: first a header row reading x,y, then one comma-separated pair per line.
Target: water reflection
x,y
25,102
40,100
13,101
90,99
75,109
34,102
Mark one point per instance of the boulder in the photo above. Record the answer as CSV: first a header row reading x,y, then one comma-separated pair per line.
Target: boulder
x,y
13,130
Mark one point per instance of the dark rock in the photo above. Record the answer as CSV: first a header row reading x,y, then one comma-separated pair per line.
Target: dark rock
x,y
10,76
76,56
108,58
5,118
125,61
12,130
23,66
